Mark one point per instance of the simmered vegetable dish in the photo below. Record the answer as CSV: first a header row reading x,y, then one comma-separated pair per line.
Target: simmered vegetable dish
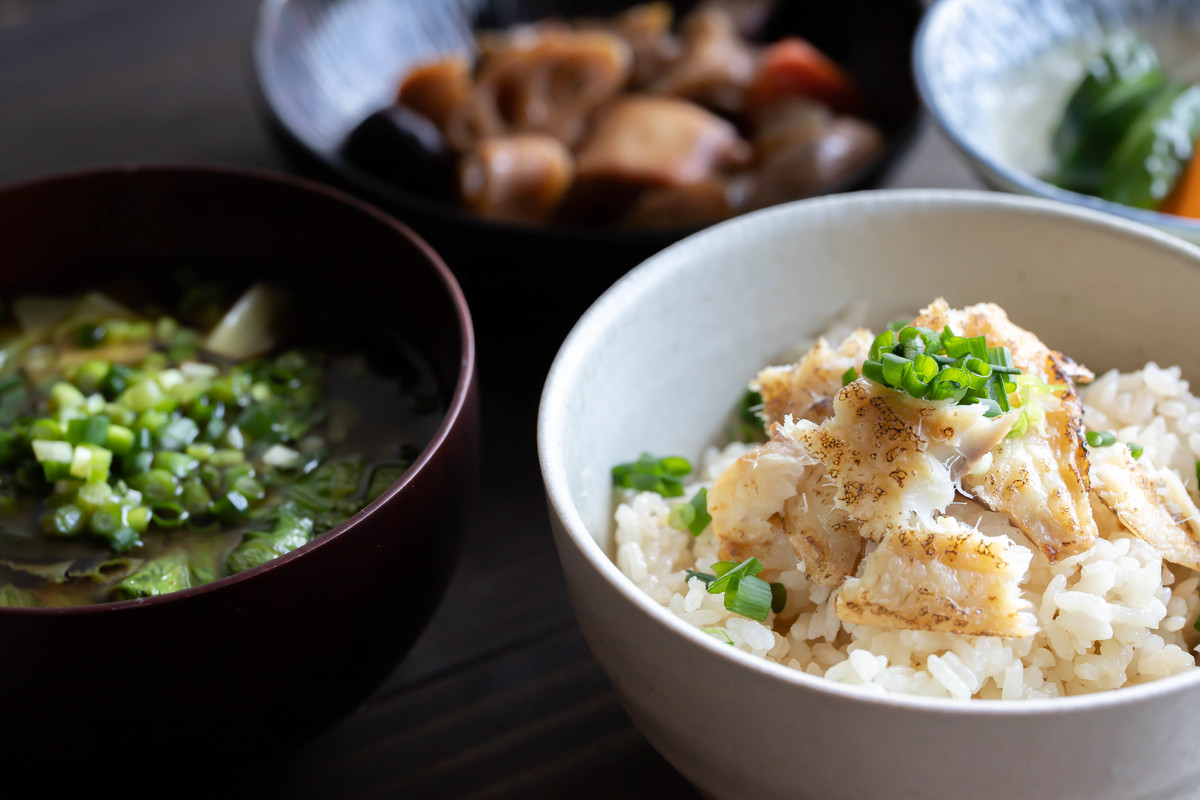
x,y
633,121
140,455
1129,133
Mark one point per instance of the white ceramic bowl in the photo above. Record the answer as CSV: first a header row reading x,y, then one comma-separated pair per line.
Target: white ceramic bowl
x,y
663,357
975,64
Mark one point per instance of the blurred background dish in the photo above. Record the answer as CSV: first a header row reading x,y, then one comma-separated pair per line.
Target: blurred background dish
x,y
252,664
326,67
659,365
997,78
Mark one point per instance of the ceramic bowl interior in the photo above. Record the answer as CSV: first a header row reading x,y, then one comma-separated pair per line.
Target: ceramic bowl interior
x,y
232,670
323,66
659,363
996,77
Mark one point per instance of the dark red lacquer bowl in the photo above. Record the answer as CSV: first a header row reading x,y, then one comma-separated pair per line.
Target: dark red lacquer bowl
x,y
254,663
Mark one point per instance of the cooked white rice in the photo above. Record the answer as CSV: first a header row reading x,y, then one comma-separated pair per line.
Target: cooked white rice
x,y
1113,616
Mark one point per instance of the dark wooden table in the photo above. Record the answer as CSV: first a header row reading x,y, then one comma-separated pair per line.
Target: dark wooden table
x,y
501,697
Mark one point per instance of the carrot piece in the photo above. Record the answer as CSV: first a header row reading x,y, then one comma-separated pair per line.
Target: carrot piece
x,y
792,66
1184,199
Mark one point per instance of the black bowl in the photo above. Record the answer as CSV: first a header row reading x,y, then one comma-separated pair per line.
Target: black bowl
x,y
324,66
231,671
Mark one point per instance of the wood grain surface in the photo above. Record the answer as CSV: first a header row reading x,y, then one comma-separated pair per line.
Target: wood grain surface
x,y
501,697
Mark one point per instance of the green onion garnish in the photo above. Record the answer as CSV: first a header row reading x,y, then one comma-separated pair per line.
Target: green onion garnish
x,y
691,516
941,366
778,597
1135,449
745,593
749,425
750,597
650,474
849,376
718,633
1101,438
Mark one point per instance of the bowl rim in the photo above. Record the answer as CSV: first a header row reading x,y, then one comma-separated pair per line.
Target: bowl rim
x,y
551,432
380,190
456,405
935,19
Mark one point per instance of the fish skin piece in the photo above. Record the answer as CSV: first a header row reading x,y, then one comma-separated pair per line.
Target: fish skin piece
x,y
806,389
896,459
1041,479
941,576
1153,505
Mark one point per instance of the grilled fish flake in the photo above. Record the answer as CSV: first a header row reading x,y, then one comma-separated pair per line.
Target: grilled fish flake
x,y
941,576
746,501
826,539
1153,505
777,494
1040,479
989,320
806,389
896,459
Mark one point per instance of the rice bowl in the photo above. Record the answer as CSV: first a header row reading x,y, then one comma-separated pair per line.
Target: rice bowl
x,y
657,364
1114,615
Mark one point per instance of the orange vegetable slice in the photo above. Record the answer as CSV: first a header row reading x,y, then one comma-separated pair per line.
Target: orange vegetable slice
x,y
792,67
1184,199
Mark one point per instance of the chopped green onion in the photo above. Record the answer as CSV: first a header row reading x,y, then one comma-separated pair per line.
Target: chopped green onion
x,y
745,593
926,364
52,450
46,429
178,464
178,433
681,516
1101,438
88,429
729,572
106,519
849,376
231,508
893,368
883,343
117,438
1135,449
66,520
749,596
873,370
90,375
675,466
691,516
123,539
168,515
64,395
650,474
749,425
718,633
778,597
142,396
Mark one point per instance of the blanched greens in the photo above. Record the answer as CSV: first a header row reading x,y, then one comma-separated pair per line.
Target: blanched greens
x,y
1128,131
